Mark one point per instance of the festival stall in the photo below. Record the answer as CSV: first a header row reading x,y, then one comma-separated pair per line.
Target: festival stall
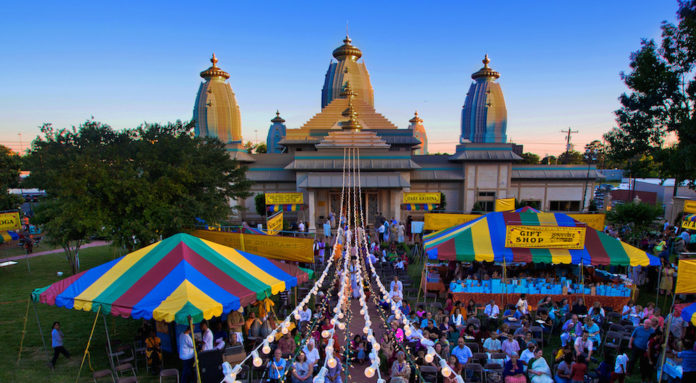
x,y
7,236
553,238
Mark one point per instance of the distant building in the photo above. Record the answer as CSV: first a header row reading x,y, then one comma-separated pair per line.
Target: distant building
x,y
309,159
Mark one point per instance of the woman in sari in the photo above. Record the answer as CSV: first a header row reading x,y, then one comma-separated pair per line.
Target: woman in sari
x,y
400,371
539,371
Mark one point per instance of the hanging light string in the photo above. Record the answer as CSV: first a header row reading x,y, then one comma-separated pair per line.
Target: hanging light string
x,y
284,325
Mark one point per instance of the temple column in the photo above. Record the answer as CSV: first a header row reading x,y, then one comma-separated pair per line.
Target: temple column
x,y
312,212
396,204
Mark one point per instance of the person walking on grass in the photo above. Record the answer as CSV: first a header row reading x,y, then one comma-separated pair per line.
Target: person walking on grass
x,y
57,343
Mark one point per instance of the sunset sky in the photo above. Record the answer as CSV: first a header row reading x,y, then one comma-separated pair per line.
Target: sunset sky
x,y
129,62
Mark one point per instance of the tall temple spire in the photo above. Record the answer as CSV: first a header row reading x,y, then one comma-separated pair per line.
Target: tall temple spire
x,y
416,125
347,68
276,132
216,112
484,115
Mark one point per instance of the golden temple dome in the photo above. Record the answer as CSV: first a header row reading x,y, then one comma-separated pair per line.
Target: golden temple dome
x,y
214,71
347,50
485,72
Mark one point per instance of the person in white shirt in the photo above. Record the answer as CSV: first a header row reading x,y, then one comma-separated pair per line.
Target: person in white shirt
x,y
492,344
620,366
207,337
522,304
457,319
312,353
186,355
492,310
583,345
400,265
396,281
395,294
301,227
305,316
528,354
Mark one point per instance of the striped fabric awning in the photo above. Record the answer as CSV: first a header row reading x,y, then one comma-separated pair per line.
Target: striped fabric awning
x,y
687,311
420,206
483,240
172,279
276,208
7,236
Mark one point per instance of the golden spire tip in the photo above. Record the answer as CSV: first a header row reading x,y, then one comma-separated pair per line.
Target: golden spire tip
x,y
214,60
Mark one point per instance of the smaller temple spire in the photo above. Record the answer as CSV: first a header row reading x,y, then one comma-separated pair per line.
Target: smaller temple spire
x,y
415,118
214,71
352,122
347,50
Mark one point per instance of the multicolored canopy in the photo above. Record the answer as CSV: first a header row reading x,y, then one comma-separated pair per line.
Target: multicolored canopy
x,y
7,236
172,279
687,311
483,240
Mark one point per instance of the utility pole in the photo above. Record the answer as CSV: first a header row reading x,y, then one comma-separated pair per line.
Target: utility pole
x,y
568,133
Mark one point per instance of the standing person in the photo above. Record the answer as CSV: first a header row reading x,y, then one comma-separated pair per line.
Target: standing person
x,y
409,234
638,344
401,232
153,352
667,281
186,355
57,343
652,354
207,337
620,367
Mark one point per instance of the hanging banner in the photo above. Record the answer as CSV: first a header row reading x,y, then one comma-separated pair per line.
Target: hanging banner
x,y
10,221
686,278
545,237
422,198
689,222
595,221
270,246
506,204
284,198
443,221
274,223
689,206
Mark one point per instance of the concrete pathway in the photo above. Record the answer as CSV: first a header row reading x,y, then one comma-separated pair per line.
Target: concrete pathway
x,y
54,251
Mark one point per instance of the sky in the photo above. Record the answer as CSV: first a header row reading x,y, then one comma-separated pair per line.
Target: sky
x,y
125,63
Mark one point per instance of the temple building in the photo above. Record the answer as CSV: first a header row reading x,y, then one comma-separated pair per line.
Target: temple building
x,y
393,160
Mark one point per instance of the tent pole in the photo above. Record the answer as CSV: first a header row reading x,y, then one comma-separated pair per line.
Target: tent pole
x,y
659,280
664,347
195,352
108,342
38,323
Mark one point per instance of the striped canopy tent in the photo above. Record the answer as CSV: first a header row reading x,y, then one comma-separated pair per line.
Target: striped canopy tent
x,y
7,236
687,312
483,240
172,279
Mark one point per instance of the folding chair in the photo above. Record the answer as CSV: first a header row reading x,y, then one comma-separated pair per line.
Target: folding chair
x,y
169,373
101,374
474,347
473,372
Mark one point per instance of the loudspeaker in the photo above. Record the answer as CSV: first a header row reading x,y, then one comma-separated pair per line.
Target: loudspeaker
x,y
210,363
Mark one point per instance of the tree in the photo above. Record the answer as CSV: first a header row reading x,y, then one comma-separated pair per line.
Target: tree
x,y
132,186
9,178
260,204
443,202
637,217
260,148
549,160
530,158
662,101
572,157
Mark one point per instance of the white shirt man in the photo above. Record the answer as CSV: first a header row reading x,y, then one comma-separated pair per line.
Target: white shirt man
x,y
306,314
527,354
396,281
207,340
301,227
311,352
185,346
492,310
583,343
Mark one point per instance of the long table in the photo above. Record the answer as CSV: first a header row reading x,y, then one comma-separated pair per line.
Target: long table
x,y
616,303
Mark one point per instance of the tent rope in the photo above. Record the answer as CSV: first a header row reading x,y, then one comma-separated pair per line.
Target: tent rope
x,y
89,341
24,331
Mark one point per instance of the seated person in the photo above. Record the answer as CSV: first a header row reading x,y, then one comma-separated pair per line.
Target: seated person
x,y
510,346
593,329
596,312
513,372
570,330
583,345
492,344
492,310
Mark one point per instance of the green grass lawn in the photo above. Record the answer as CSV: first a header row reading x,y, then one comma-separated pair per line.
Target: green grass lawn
x,y
16,285
11,249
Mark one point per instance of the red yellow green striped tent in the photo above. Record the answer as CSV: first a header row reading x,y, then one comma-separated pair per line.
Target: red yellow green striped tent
x,y
483,240
172,279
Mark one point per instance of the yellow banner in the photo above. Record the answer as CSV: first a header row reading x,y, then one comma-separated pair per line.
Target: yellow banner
x,y
284,198
505,204
595,221
686,278
545,237
10,221
688,224
274,224
422,197
689,206
435,221
269,246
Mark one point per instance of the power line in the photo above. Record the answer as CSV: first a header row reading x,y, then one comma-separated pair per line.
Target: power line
x,y
568,132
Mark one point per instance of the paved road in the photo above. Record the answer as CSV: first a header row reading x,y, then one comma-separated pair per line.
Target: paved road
x,y
54,251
